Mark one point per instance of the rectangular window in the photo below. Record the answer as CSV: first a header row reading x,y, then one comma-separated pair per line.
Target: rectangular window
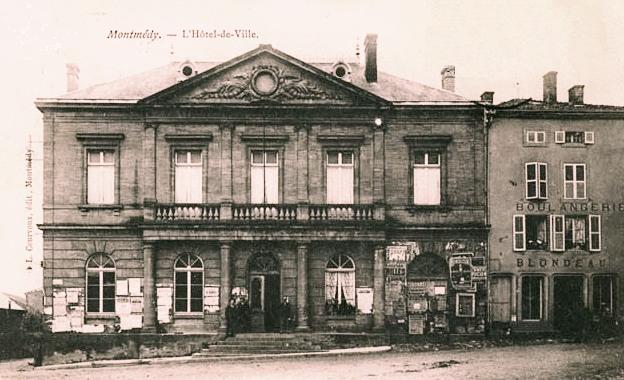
x,y
602,295
574,137
536,180
574,181
536,232
264,176
188,176
576,232
100,177
557,233
465,305
519,232
339,177
536,137
427,178
532,293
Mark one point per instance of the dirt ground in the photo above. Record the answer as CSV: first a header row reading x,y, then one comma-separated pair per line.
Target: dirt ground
x,y
549,361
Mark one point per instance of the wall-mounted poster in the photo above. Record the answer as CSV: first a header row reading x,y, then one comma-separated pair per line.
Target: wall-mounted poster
x,y
460,268
416,324
365,300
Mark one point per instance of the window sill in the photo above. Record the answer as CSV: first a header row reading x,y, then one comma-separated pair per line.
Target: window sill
x,y
412,209
574,145
89,207
100,315
340,317
199,315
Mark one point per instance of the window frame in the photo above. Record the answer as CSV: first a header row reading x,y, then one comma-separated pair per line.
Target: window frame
x,y
574,181
535,133
280,171
341,143
100,270
340,268
197,142
101,163
188,272
538,180
355,152
189,151
457,303
613,292
441,165
100,142
541,297
421,143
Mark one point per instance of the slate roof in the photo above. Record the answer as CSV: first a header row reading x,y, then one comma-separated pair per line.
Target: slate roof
x,y
136,87
538,105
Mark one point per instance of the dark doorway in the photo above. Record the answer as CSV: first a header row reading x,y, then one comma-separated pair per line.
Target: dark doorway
x,y
264,292
569,309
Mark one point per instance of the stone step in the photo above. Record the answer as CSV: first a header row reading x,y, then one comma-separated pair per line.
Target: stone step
x,y
232,347
208,352
262,344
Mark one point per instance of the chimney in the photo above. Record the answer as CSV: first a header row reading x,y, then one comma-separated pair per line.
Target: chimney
x,y
72,76
487,97
448,78
550,87
370,51
575,94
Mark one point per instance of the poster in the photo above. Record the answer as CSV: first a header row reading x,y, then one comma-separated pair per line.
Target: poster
x,y
122,288
365,300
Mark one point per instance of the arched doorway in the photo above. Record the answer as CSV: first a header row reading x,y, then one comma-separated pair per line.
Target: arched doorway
x,y
264,291
428,288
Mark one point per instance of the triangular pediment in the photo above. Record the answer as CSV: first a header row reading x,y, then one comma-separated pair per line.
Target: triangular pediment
x,y
265,76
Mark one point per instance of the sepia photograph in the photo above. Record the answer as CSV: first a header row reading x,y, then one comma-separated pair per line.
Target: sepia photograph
x,y
351,189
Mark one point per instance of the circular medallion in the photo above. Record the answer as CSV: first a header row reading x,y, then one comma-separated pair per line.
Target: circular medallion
x,y
264,82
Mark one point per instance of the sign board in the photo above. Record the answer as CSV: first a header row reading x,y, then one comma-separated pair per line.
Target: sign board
x,y
416,324
122,288
365,300
479,273
460,268
397,253
211,298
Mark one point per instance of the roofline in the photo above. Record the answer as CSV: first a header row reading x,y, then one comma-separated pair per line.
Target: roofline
x,y
559,114
261,49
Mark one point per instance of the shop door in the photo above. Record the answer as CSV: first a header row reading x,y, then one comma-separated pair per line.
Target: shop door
x,y
264,302
569,310
500,299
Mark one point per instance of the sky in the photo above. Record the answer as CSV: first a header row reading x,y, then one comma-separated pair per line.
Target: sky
x,y
500,46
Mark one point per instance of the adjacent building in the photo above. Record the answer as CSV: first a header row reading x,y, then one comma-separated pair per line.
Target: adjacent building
x,y
556,210
358,195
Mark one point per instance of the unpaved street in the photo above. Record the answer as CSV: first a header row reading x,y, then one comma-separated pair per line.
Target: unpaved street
x,y
553,361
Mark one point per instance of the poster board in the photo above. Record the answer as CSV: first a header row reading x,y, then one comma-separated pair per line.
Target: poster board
x,y
416,325
211,298
364,300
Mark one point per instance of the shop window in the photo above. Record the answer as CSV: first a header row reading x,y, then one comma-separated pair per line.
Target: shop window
x,y
574,182
427,178
536,180
532,297
603,287
188,176
100,284
340,177
189,284
340,286
100,177
465,305
264,176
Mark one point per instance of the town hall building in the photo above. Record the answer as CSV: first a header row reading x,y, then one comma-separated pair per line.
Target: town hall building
x,y
358,195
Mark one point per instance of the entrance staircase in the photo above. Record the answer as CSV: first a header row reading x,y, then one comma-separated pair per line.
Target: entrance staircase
x,y
261,343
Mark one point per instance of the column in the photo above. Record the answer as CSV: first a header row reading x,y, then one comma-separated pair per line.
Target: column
x,y
302,171
149,170
149,288
226,163
378,288
224,294
379,172
302,286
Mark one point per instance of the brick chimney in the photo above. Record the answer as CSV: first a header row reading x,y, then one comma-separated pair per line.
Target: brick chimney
x,y
448,78
370,52
487,97
72,76
550,87
575,94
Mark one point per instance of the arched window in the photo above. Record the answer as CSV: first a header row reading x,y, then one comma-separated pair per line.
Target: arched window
x,y
340,285
100,284
189,282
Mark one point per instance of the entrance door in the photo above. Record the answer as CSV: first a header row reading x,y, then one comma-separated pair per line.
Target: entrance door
x,y
569,308
500,299
264,292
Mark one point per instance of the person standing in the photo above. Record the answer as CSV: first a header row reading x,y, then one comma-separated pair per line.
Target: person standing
x,y
230,319
285,315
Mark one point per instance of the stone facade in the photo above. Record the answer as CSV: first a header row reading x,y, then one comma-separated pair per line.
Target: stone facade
x,y
286,246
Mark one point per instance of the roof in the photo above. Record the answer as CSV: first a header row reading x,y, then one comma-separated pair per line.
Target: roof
x,y
140,86
538,105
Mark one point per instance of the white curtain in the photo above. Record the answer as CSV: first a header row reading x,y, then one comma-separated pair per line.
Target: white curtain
x,y
347,284
101,184
331,284
340,184
188,184
427,186
264,181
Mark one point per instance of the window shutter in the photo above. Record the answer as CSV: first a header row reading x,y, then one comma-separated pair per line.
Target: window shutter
x,y
531,180
594,233
543,181
557,233
589,137
559,137
519,233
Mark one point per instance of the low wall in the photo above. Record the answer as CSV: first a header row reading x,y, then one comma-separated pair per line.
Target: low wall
x,y
63,348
